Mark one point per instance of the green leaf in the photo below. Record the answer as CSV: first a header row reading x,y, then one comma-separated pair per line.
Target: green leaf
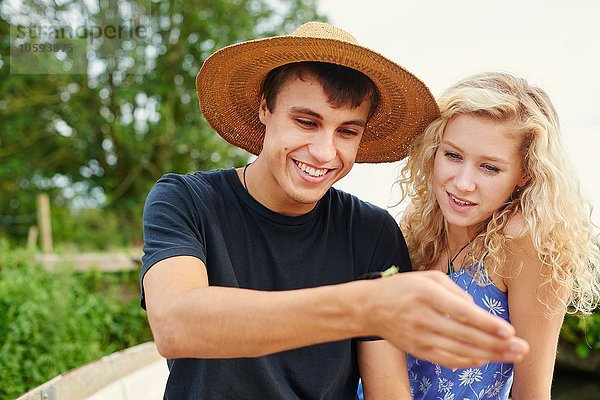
x,y
390,271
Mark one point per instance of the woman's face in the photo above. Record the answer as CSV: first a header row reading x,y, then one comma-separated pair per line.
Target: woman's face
x,y
477,167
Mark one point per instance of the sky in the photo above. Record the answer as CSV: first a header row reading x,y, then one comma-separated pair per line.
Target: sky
x,y
554,44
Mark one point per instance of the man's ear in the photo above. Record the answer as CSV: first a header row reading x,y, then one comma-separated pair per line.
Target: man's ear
x,y
263,109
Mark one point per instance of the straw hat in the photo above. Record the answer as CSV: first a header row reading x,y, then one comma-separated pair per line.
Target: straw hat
x,y
230,81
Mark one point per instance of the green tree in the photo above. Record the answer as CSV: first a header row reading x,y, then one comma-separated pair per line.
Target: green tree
x,y
102,138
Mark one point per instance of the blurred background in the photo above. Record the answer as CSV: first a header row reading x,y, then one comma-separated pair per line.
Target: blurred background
x,y
554,44
98,100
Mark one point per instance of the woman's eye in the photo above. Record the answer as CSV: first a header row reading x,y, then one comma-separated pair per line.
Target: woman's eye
x,y
452,155
491,168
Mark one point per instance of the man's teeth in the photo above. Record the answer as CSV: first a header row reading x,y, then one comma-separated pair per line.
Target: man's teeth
x,y
310,170
462,203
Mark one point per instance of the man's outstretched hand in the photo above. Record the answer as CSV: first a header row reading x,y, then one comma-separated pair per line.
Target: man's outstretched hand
x,y
426,314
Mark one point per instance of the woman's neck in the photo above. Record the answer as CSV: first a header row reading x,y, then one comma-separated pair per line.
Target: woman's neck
x,y
458,237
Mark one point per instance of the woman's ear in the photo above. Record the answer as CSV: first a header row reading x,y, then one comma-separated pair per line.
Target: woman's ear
x,y
523,179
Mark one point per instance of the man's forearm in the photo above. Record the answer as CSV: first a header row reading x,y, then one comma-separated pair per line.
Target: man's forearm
x,y
220,322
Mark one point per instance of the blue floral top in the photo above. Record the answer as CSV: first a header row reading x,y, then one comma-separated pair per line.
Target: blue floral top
x,y
430,381
490,381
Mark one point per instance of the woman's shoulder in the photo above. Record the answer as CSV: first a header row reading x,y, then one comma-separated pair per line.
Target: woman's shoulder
x,y
522,264
520,247
520,239
516,227
520,242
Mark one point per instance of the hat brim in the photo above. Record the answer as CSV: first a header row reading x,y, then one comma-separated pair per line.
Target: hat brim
x,y
229,92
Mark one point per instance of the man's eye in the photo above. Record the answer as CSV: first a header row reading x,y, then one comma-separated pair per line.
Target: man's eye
x,y
306,122
349,132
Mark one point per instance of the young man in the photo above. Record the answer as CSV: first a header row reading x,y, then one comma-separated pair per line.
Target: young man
x,y
252,277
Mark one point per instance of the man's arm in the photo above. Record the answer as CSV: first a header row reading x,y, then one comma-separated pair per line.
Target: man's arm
x,y
423,313
191,319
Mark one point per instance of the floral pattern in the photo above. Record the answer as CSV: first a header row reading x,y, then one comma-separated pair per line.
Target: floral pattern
x,y
493,305
469,376
430,381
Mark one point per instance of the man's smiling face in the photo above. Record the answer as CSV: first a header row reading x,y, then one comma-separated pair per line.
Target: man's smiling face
x,y
309,144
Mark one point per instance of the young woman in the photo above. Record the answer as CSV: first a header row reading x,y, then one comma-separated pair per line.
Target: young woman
x,y
493,203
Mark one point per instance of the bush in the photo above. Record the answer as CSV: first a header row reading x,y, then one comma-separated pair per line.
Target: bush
x,y
53,322
583,332
92,229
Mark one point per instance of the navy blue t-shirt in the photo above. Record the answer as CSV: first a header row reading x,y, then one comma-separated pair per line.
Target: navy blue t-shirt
x,y
209,215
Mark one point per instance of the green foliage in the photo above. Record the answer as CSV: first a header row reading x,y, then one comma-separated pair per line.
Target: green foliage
x,y
583,332
53,322
105,137
90,229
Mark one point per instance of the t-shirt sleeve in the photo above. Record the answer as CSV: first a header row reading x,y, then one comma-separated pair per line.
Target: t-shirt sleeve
x,y
171,224
390,248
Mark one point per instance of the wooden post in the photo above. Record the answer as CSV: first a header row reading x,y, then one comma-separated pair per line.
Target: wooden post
x,y
32,237
44,224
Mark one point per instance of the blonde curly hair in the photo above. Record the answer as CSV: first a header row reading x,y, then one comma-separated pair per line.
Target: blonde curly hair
x,y
556,215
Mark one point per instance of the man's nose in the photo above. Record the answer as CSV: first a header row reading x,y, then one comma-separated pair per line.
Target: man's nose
x,y
323,147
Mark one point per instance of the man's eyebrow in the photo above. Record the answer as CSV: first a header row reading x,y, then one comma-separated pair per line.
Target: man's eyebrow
x,y
308,111
358,122
304,110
